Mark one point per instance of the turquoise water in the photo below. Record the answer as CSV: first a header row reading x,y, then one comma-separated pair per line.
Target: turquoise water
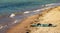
x,y
11,6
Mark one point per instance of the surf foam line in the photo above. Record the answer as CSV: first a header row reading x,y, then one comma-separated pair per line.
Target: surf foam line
x,y
27,12
38,10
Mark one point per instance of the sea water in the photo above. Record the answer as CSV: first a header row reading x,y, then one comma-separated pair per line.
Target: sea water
x,y
12,6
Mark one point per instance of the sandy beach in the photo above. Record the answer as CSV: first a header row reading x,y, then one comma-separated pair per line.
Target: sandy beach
x,y
24,26
51,15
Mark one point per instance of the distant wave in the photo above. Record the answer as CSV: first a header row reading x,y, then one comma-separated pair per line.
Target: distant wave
x,y
6,8
21,4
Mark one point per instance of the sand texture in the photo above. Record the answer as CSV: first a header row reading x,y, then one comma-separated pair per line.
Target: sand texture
x,y
47,16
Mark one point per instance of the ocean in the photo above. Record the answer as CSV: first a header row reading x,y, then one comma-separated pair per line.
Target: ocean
x,y
12,6
18,7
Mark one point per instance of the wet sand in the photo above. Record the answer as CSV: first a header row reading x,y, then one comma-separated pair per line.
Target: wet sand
x,y
21,27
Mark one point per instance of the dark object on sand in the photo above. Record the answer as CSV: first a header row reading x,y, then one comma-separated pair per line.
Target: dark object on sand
x,y
50,25
43,25
38,24
27,32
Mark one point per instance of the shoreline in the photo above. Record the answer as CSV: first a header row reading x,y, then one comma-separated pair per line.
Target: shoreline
x,y
23,24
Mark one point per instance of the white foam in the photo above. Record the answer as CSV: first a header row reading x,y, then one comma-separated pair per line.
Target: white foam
x,y
45,8
1,27
50,4
26,12
38,10
15,21
12,15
